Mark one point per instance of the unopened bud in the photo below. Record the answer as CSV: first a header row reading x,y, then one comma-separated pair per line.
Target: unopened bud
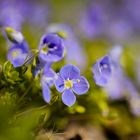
x,y
14,36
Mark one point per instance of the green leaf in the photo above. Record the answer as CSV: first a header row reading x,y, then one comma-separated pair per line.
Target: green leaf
x,y
11,74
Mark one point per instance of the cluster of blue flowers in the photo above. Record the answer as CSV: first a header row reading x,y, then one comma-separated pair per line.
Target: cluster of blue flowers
x,y
107,70
51,49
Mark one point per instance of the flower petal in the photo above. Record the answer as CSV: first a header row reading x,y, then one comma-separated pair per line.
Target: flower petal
x,y
68,98
81,87
46,92
70,72
105,65
98,77
52,56
48,76
102,71
59,84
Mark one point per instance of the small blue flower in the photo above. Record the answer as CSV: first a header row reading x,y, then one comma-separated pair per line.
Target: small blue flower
x,y
71,44
69,82
51,48
18,53
47,81
109,74
102,71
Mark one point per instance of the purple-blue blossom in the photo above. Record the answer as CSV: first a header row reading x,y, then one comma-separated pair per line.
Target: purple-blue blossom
x,y
102,71
109,74
69,82
15,13
47,80
11,14
17,54
51,48
71,44
94,20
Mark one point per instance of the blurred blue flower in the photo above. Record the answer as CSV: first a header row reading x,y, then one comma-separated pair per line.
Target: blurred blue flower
x,y
51,48
117,21
109,74
102,71
94,19
11,14
120,30
71,44
37,13
69,81
18,53
47,80
15,13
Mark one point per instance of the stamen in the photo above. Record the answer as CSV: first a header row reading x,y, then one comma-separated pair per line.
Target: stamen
x,y
45,49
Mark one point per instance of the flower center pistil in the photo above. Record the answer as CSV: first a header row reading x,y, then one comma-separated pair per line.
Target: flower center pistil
x,y
68,84
45,49
16,53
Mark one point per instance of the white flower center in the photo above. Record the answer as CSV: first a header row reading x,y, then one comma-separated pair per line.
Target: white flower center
x,y
45,49
16,53
68,84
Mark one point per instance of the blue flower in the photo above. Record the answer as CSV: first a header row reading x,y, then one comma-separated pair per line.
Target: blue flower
x,y
18,53
51,48
109,74
102,71
21,12
47,81
10,14
69,82
71,44
93,20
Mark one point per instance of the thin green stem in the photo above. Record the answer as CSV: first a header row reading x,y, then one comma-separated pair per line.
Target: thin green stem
x,y
30,110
